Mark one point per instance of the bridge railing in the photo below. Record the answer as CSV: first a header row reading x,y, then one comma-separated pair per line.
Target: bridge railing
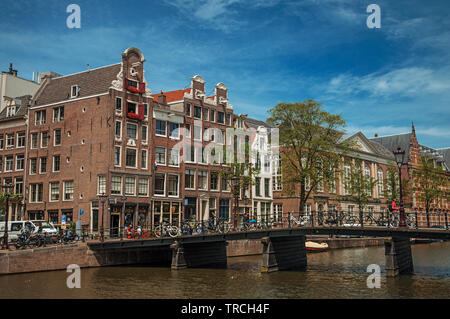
x,y
368,219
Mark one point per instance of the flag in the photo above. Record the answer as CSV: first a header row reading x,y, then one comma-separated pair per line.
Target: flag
x,y
81,211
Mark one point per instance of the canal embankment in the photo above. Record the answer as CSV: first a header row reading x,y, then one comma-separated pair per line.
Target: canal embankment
x,y
58,257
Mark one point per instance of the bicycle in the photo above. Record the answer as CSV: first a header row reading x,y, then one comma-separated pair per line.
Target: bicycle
x,y
165,229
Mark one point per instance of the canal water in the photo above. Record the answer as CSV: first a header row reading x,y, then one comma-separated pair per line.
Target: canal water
x,y
332,274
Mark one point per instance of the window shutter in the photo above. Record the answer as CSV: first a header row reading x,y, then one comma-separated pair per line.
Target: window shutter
x,y
141,111
142,87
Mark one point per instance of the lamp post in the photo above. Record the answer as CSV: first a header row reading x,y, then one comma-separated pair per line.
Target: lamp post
x,y
399,157
103,201
7,188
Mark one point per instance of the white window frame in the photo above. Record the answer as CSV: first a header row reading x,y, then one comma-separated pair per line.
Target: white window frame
x,y
64,191
53,163
146,159
115,130
50,192
126,131
178,185
144,138
165,156
120,156
134,186
139,187
23,164
99,186
24,139
164,188
137,157
121,185
54,137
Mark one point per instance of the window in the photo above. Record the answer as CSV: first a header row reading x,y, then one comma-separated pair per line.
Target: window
x,y
160,128
214,181
266,164
278,212
189,179
44,139
225,185
197,133
21,139
130,160
74,91
131,107
187,131
118,105
228,119
101,185
1,163
34,140
20,162
68,190
220,118
58,114
130,186
258,186
367,176
116,185
188,109
197,112
189,152
56,163
224,209
212,137
160,155
212,117
145,110
205,114
276,175
118,128
144,160
332,180
9,163
57,137
144,134
143,187
11,111
117,155
266,187
43,165
132,130
19,185
54,191
10,140
202,180
33,166
39,117
36,193
201,155
174,131
160,186
380,182
347,178
173,185
174,157
1,141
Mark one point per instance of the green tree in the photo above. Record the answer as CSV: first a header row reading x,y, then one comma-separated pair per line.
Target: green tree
x,y
309,140
360,186
430,184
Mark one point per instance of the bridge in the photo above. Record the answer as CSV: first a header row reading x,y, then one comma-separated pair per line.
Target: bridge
x,y
283,248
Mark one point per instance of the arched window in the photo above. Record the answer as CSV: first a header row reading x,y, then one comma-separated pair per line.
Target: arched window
x,y
367,176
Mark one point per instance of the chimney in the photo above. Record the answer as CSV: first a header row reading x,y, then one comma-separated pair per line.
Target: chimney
x,y
376,134
162,98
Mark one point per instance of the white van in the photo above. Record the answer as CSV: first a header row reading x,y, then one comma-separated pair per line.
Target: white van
x,y
15,228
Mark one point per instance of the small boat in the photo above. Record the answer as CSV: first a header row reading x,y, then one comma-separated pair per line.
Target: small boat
x,y
422,241
316,247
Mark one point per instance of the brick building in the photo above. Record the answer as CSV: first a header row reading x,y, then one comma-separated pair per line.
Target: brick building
x,y
13,141
332,195
89,136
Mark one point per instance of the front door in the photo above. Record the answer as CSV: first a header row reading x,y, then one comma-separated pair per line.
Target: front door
x,y
115,224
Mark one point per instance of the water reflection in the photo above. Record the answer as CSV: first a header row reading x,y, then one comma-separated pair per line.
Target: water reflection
x,y
333,274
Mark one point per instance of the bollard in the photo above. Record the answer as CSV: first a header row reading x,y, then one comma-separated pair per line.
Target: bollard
x,y
388,219
446,221
289,220
312,218
417,220
361,219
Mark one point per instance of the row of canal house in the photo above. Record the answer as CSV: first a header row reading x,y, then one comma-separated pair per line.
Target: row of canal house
x,y
100,143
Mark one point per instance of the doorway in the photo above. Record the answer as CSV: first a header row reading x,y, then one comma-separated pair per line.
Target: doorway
x,y
115,224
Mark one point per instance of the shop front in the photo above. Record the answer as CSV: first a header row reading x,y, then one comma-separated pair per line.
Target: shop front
x,y
167,211
142,217
114,224
35,215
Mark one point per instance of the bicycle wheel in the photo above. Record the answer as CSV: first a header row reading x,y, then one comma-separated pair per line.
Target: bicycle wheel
x,y
158,231
173,231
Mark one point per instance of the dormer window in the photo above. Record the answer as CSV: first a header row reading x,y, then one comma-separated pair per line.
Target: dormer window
x,y
74,91
11,111
132,83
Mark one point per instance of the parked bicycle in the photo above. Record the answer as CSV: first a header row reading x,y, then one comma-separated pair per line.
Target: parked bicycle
x,y
166,229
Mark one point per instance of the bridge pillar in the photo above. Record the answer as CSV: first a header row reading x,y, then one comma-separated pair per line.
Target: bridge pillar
x,y
284,253
202,254
398,256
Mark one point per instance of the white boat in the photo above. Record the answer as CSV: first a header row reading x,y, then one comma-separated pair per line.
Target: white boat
x,y
312,246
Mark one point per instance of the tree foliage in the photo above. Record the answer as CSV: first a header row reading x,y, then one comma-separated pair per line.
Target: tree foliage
x,y
360,185
308,138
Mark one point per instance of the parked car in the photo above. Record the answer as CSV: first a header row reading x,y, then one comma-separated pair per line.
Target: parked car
x,y
16,227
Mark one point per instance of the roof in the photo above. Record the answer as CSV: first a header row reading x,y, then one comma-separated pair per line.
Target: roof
x,y
172,96
92,82
255,123
22,102
376,148
392,142
446,154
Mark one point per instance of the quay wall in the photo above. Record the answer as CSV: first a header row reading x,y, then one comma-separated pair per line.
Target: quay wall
x,y
59,257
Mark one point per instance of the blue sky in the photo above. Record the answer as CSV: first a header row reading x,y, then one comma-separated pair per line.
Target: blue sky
x,y
266,52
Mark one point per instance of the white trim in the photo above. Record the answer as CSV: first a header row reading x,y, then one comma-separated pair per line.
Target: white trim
x,y
120,157
137,157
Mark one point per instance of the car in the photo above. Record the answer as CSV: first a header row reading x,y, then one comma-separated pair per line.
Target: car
x,y
16,227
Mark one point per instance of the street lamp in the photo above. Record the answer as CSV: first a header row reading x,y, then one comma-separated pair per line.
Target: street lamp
x,y
103,201
7,188
399,157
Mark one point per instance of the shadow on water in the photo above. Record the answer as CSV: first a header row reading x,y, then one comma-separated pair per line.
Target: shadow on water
x,y
331,274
